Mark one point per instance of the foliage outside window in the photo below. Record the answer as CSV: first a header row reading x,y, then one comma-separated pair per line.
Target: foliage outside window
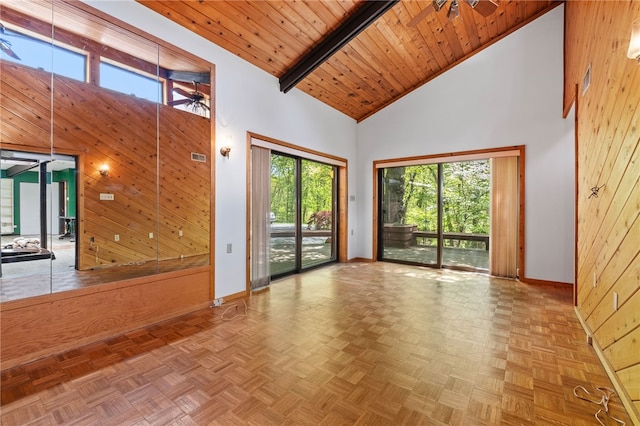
x,y
411,197
317,179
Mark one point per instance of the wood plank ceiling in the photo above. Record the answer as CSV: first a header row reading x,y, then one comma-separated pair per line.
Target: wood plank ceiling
x,y
387,60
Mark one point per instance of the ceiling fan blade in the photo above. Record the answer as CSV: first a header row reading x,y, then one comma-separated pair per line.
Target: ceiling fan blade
x,y
420,16
202,104
182,92
483,7
5,46
180,102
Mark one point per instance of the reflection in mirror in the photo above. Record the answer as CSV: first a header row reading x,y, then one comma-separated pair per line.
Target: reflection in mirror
x,y
38,218
120,128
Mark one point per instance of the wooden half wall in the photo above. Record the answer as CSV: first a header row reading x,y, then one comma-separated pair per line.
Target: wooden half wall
x,y
45,325
608,157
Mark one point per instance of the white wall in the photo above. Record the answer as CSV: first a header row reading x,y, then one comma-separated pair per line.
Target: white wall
x,y
247,99
508,94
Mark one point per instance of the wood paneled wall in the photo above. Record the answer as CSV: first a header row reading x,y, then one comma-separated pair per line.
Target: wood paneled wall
x,y
608,153
45,325
158,189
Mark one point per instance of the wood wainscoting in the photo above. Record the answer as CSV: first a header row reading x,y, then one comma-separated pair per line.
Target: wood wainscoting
x,y
45,325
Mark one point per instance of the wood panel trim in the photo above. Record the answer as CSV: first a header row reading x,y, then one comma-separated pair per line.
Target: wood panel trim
x,y
212,186
576,195
567,99
534,281
234,296
296,147
374,213
523,213
627,402
247,246
449,156
361,259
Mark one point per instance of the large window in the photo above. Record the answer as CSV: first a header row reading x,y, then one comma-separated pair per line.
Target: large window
x,y
436,214
131,83
302,215
460,210
35,53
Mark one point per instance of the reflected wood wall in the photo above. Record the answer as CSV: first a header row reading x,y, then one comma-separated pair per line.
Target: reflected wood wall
x,y
608,226
158,189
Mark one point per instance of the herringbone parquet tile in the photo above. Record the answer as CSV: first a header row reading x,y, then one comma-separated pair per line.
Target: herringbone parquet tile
x,y
364,344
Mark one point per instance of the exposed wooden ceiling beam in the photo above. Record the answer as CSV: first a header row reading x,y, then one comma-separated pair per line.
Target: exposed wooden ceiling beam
x,y
351,27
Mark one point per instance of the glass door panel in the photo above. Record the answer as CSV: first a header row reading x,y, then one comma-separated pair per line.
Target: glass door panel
x,y
318,214
302,217
409,213
283,217
465,219
436,214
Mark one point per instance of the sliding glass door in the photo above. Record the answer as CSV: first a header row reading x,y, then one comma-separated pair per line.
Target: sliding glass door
x,y
465,214
409,212
303,214
283,216
435,214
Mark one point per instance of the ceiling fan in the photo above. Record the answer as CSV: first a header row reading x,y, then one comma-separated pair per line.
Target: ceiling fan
x,y
195,100
5,45
483,7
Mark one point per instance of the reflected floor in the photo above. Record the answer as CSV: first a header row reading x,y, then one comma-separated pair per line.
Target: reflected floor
x,y
59,275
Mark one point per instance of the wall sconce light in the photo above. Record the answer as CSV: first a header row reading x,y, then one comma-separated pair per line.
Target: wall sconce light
x,y
104,170
225,150
634,42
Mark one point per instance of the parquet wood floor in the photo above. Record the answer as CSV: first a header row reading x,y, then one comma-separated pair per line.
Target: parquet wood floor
x,y
363,343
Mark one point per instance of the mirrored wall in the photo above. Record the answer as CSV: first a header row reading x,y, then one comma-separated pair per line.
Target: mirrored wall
x,y
105,140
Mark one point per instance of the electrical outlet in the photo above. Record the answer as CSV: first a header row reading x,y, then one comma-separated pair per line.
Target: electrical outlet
x,y
180,233
218,302
116,238
106,197
151,235
595,280
615,301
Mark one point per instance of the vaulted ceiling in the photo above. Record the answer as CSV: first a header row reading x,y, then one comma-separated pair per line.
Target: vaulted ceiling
x,y
409,45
